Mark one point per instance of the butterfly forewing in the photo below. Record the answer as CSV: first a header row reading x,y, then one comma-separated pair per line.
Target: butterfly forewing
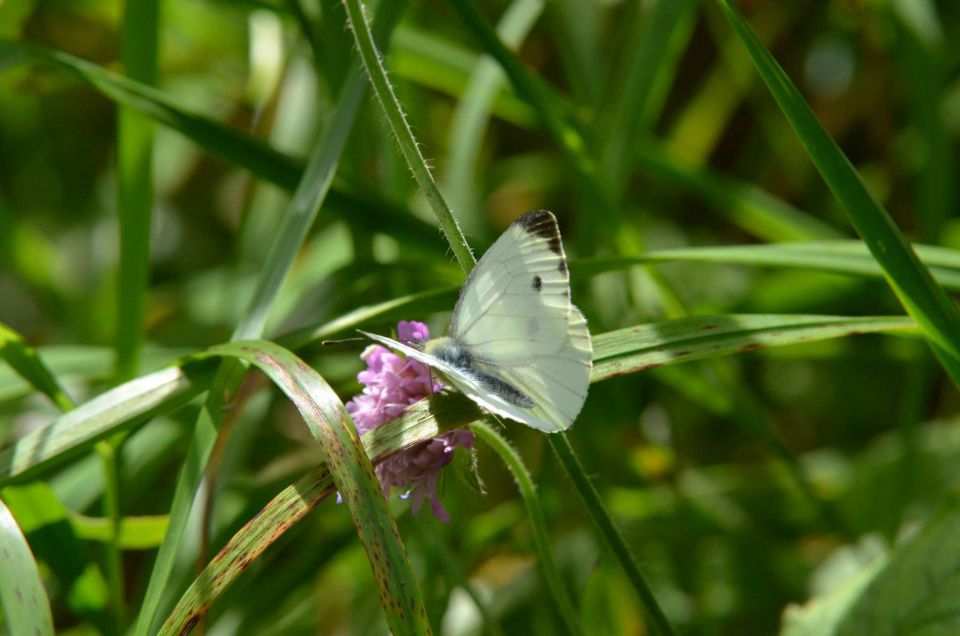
x,y
515,304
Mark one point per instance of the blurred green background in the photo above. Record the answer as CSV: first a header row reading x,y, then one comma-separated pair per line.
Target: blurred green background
x,y
691,150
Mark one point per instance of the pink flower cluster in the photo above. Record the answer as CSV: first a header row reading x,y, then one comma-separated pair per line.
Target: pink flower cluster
x,y
392,383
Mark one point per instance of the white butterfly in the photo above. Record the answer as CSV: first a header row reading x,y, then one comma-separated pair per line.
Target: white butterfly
x,y
516,346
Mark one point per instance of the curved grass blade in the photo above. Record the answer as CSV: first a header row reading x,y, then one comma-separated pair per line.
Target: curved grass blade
x,y
617,353
26,607
118,409
46,523
24,359
352,473
417,424
165,390
674,341
919,293
298,217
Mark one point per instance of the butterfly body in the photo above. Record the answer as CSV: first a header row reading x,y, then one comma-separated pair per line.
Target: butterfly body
x,y
516,345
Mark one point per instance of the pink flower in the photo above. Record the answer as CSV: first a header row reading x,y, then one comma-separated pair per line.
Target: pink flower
x,y
392,383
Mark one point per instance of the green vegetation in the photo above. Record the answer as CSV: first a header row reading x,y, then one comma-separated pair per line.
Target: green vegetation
x,y
202,201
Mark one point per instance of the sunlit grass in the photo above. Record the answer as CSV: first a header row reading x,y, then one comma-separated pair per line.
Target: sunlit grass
x,y
773,403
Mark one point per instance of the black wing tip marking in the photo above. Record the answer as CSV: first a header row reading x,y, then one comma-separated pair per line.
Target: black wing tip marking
x,y
537,283
543,223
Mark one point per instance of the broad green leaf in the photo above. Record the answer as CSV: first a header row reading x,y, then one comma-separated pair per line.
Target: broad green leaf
x,y
823,614
26,608
917,591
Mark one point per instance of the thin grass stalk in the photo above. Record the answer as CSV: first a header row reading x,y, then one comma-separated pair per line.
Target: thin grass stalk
x,y
373,63
135,132
657,622
528,492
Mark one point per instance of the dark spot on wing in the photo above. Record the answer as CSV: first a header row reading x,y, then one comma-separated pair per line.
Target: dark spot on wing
x,y
537,283
543,224
562,266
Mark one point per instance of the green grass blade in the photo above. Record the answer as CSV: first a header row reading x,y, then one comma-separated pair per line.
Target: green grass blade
x,y
136,533
445,65
24,359
352,474
646,345
138,52
373,63
836,257
417,424
298,217
920,295
469,124
223,390
675,341
26,608
511,458
223,141
571,140
45,520
119,408
748,207
657,621
651,56
302,210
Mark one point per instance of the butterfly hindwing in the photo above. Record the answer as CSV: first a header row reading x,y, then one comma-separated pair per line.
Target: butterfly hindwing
x,y
556,383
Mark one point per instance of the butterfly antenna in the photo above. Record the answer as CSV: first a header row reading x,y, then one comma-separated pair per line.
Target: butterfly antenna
x,y
340,341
